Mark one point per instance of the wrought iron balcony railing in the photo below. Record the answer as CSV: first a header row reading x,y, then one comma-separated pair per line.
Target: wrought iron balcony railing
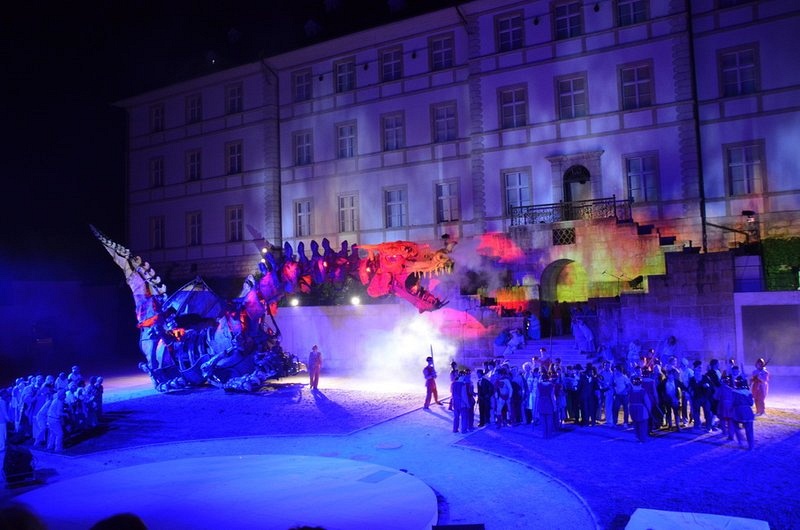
x,y
608,208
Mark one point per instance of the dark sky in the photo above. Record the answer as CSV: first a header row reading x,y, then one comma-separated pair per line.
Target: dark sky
x,y
63,161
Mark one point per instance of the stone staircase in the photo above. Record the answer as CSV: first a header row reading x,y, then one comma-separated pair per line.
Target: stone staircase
x,y
562,347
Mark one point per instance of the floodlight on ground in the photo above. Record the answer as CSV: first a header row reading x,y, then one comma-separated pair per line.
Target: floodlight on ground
x,y
294,302
355,300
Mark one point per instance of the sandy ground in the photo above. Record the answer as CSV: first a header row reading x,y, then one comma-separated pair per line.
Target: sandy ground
x,y
683,471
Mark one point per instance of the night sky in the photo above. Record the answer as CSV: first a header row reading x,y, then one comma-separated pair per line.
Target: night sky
x,y
65,65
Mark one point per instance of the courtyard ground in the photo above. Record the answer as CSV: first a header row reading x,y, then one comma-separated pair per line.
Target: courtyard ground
x,y
499,477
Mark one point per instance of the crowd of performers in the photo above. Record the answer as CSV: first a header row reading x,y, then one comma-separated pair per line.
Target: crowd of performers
x,y
47,409
647,397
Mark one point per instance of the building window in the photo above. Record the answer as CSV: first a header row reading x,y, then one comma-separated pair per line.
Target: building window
x,y
513,107
395,207
194,229
157,232
346,140
732,3
233,157
194,108
157,172
444,122
637,86
641,173
301,83
508,32
157,118
739,72
234,219
517,188
441,49
345,75
391,64
302,218
745,168
302,148
348,213
393,131
631,12
193,165
571,97
447,209
234,98
568,20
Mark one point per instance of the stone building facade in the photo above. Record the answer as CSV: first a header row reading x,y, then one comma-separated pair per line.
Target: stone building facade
x,y
462,121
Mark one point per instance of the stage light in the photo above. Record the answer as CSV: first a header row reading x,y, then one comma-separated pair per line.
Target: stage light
x,y
294,302
264,250
355,300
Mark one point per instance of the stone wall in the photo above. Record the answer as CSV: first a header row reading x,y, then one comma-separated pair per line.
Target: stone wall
x,y
693,301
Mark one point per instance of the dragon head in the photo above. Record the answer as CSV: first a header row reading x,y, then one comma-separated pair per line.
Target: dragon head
x,y
399,268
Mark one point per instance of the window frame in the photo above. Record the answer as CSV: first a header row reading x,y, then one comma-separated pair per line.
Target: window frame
x,y
449,128
348,149
344,80
348,213
157,232
523,183
395,141
559,95
740,89
301,228
514,105
307,147
515,31
157,118
633,15
194,108
637,84
234,223
234,98
194,228
390,205
569,31
155,169
647,179
302,85
451,202
756,183
194,165
234,157
444,56
392,59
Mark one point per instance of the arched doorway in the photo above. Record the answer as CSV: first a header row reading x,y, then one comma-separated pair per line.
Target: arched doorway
x,y
575,179
564,280
576,188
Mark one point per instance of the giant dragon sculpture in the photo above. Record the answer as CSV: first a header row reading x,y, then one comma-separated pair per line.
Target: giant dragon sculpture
x,y
192,337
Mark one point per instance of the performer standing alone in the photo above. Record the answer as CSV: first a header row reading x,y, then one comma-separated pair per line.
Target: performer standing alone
x,y
314,366
759,385
429,372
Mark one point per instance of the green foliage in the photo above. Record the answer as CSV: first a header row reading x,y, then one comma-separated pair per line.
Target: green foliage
x,y
781,263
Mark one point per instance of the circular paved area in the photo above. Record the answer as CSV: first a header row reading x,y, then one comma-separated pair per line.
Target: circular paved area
x,y
249,491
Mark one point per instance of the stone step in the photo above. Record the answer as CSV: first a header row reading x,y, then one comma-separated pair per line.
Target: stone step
x,y
563,348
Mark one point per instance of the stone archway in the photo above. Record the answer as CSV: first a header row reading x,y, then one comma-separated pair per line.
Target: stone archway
x,y
564,280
